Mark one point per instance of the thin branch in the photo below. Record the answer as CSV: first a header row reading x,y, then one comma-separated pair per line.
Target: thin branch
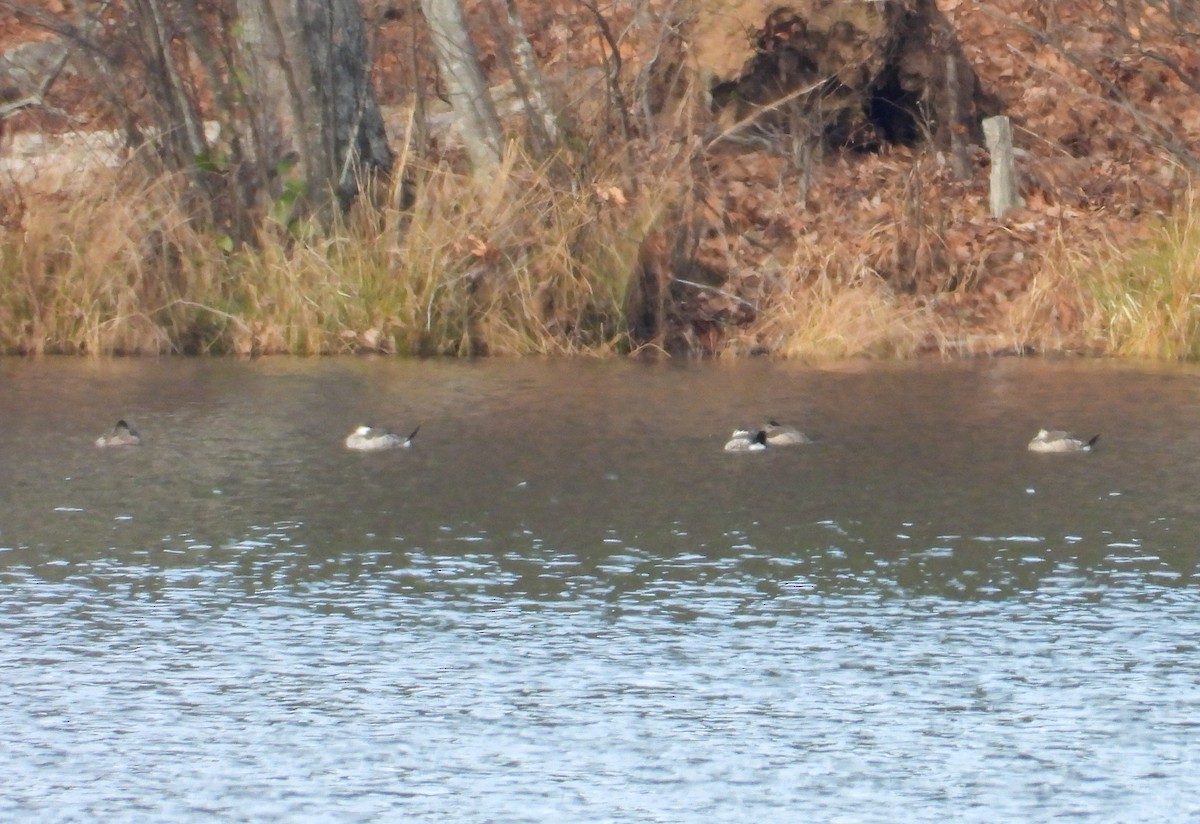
x,y
749,119
38,98
706,288
613,59
1154,131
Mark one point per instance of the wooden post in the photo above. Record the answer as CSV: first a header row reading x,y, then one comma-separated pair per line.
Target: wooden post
x,y
1004,193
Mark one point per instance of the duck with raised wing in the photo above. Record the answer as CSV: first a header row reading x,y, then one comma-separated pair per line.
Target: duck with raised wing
x,y
120,435
779,434
1056,440
372,439
743,440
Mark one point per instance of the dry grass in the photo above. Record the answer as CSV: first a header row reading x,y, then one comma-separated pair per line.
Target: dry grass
x,y
1139,301
537,262
821,307
80,273
831,317
1055,313
529,264
895,258
1149,298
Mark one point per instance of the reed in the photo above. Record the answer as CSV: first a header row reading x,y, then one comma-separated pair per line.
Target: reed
x,y
1149,298
533,263
820,308
1116,296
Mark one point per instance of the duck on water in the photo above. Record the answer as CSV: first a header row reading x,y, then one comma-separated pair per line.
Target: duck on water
x,y
120,435
779,434
743,440
773,433
373,439
1056,440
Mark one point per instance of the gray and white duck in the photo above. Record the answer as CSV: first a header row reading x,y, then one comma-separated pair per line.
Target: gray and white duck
x,y
120,435
1056,440
374,439
745,440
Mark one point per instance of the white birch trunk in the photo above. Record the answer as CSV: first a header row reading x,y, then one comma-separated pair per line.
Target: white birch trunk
x,y
458,64
528,80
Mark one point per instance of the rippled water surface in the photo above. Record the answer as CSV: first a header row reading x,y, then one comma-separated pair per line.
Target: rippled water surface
x,y
568,604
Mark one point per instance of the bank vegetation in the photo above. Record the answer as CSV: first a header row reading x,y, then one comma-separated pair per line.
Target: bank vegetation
x,y
654,189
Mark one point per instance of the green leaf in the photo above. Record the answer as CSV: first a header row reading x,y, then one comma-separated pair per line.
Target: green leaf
x,y
294,187
205,163
286,164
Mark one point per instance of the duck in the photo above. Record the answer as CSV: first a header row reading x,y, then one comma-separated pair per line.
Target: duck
x,y
120,435
743,440
371,439
781,435
1055,440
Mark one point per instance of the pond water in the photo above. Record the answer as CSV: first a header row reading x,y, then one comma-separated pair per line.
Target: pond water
x,y
567,603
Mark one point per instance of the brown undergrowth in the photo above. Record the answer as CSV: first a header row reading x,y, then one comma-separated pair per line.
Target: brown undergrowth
x,y
526,265
529,266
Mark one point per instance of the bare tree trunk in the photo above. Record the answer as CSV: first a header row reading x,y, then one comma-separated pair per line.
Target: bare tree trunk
x,y
270,104
287,82
528,81
312,100
458,64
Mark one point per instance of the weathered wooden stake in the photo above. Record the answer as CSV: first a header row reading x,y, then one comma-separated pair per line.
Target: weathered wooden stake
x,y
1004,195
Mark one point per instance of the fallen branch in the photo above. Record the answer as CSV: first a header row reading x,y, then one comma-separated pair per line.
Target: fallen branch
x,y
38,98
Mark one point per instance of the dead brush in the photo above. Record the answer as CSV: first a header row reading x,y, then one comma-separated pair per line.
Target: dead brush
x,y
821,308
1148,298
525,265
1133,297
91,272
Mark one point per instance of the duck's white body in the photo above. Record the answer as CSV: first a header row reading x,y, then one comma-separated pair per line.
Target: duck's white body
x,y
743,440
371,439
120,435
1055,440
780,435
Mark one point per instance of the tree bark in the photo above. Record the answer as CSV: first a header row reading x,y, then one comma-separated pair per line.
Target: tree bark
x,y
287,82
458,65
528,80
311,99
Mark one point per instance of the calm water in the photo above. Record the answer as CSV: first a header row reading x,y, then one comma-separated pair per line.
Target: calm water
x,y
568,604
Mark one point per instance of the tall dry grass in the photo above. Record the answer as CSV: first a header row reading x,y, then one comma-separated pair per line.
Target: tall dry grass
x,y
79,272
531,263
1149,298
536,262
821,307
1114,297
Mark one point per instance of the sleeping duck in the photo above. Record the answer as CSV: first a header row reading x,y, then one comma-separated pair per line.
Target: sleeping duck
x,y
120,435
372,439
1055,440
